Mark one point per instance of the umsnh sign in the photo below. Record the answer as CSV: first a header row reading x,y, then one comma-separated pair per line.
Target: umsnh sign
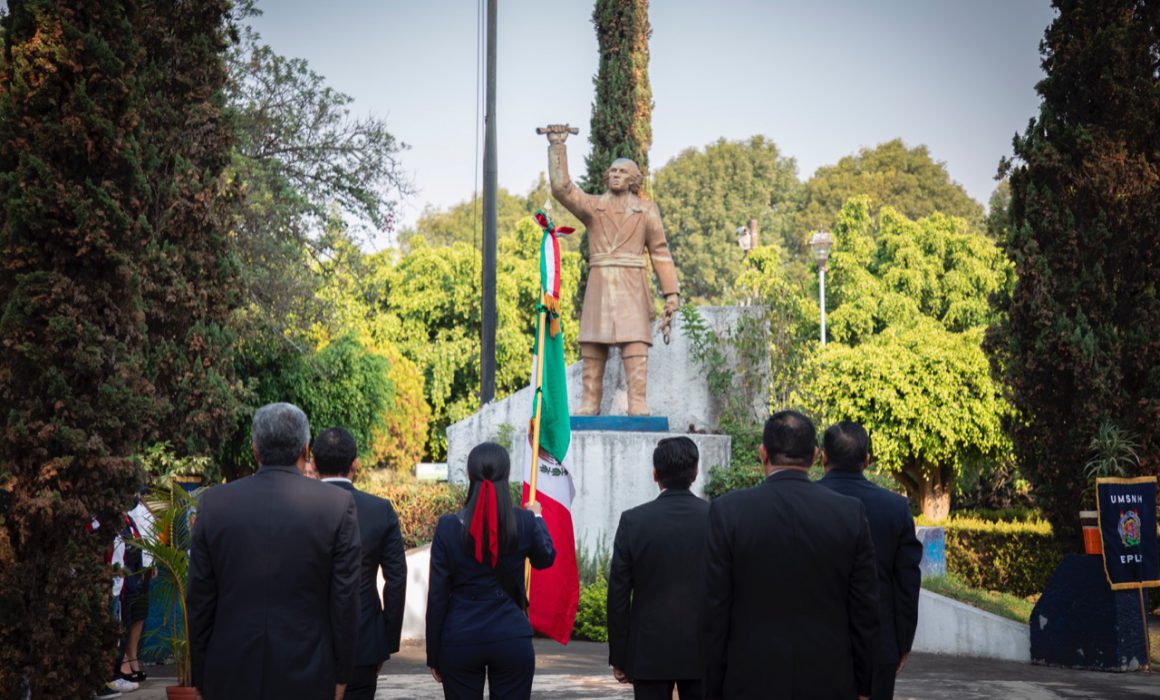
x,y
1127,517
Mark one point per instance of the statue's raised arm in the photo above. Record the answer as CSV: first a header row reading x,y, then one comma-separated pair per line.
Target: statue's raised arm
x,y
564,190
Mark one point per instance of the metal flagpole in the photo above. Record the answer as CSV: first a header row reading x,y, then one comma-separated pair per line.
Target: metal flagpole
x,y
541,319
487,331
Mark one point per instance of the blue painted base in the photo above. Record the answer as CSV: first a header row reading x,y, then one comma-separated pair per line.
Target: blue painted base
x,y
1082,623
634,424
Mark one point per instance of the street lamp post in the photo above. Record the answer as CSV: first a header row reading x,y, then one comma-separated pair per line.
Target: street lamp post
x,y
821,243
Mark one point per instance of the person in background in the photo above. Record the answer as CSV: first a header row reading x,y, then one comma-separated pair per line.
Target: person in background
x,y
381,620
135,597
845,455
654,638
476,623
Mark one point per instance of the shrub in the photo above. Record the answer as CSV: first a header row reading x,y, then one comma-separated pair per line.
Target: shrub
x,y
419,504
1016,557
592,613
594,566
742,476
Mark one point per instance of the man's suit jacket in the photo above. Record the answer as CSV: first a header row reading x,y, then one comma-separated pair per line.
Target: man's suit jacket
x,y
655,588
273,588
790,604
898,553
381,620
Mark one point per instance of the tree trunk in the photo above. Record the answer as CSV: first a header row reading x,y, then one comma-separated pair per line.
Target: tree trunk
x,y
930,489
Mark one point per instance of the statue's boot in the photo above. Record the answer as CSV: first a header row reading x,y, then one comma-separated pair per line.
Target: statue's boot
x,y
636,376
592,377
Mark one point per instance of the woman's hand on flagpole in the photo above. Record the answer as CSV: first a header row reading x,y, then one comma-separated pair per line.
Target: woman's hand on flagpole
x,y
535,507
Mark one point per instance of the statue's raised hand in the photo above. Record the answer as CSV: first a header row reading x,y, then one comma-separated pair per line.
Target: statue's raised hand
x,y
557,133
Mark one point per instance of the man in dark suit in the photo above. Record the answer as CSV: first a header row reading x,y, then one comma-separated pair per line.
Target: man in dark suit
x,y
790,604
381,619
655,588
845,454
273,576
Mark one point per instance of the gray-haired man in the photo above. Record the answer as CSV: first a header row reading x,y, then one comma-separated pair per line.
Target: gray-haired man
x,y
274,574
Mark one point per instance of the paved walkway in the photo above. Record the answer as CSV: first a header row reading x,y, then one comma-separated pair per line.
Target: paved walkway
x,y
580,670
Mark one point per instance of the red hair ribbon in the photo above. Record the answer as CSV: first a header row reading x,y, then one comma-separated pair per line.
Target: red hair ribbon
x,y
486,514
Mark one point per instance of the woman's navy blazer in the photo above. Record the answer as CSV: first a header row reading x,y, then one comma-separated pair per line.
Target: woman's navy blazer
x,y
465,602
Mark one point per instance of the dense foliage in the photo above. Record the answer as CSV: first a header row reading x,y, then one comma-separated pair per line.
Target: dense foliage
x,y
705,195
621,125
118,278
891,174
592,612
1012,557
909,304
1080,347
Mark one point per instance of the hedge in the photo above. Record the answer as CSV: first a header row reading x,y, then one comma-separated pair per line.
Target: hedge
x,y
419,504
592,613
1011,557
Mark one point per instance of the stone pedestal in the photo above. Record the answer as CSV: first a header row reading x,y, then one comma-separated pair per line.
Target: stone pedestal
x,y
677,390
1081,622
612,472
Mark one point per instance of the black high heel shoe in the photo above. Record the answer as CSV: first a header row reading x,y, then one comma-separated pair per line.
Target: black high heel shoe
x,y
137,676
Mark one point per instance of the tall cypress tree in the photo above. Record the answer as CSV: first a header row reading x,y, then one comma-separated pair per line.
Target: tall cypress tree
x,y
109,163
622,112
1081,346
191,272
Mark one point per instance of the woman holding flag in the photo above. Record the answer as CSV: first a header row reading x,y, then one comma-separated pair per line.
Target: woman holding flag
x,y
476,602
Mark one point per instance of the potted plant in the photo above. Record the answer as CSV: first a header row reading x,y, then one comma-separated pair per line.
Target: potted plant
x,y
172,509
1114,452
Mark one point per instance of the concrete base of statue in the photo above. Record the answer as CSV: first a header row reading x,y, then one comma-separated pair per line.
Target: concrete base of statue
x,y
612,472
677,390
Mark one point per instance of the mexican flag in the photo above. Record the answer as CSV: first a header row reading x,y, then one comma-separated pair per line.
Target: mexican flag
x,y
553,593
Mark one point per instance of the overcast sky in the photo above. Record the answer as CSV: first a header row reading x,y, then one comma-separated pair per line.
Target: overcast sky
x,y
820,79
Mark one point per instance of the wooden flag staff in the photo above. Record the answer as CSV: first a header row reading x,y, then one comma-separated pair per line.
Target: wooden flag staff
x,y
541,318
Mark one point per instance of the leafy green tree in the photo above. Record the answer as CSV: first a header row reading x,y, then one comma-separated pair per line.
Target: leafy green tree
x,y
891,174
428,305
1079,346
306,167
704,196
621,125
104,207
462,223
192,277
345,384
909,305
927,399
998,220
349,294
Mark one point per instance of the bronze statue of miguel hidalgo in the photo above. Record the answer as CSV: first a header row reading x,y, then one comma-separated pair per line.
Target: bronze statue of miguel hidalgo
x,y
617,301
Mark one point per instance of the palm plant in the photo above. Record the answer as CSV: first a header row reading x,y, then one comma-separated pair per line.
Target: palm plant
x,y
1114,452
169,546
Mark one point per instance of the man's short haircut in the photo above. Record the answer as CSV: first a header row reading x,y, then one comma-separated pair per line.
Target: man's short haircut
x,y
846,445
675,460
280,432
789,439
334,452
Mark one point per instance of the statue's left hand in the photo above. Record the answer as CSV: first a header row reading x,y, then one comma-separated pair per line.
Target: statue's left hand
x,y
672,301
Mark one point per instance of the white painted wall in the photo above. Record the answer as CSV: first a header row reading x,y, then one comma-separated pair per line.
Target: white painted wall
x,y
946,626
418,573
